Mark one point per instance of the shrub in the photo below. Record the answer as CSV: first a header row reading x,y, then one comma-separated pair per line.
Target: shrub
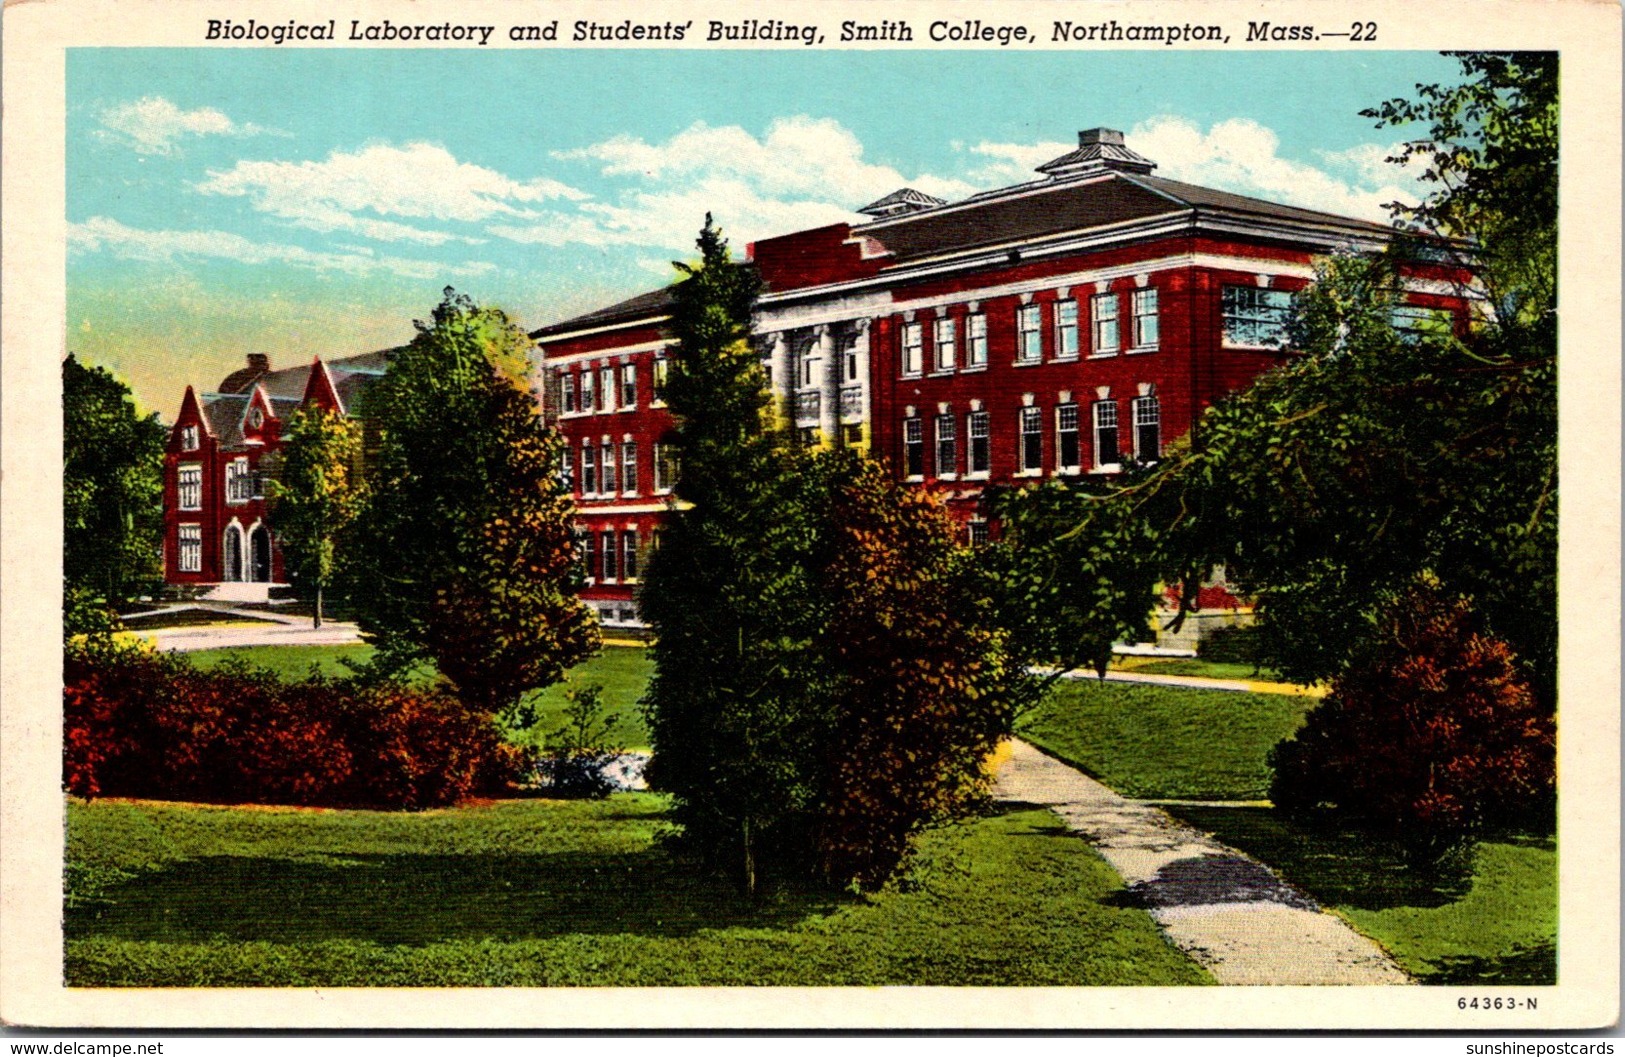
x,y
149,725
1432,738
579,753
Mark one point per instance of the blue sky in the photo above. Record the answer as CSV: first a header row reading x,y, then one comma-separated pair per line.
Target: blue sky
x,y
305,202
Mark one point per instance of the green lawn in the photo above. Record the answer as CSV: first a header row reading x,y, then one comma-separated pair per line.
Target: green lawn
x,y
623,672
1162,742
528,893
1191,666
1491,919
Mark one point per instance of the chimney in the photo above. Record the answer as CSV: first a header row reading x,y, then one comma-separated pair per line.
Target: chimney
x,y
1100,135
1099,150
259,361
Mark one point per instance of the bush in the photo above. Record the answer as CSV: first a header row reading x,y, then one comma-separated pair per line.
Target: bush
x,y
142,724
579,753
1432,738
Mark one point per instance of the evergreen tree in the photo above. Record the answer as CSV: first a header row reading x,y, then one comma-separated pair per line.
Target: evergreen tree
x,y
464,552
317,490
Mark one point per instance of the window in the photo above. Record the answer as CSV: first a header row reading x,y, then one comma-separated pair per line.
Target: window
x,y
1414,322
629,386
851,362
976,531
629,555
979,455
238,487
607,463
947,453
189,548
256,483
807,367
1256,317
627,614
567,392
662,370
913,448
1066,329
810,436
1030,342
1106,435
189,487
629,467
976,339
606,388
1103,314
1032,440
913,352
1145,319
609,553
189,438
588,392
664,477
852,435
1066,436
1147,429
567,459
947,351
585,553
589,470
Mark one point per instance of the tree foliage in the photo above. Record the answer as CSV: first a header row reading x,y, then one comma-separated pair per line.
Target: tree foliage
x,y
317,490
465,553
112,488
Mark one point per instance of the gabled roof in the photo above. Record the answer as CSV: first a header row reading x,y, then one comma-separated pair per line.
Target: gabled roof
x,y
224,414
285,389
651,305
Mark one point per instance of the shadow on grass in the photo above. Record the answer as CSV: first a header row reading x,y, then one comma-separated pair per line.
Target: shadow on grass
x,y
1528,965
1342,869
424,899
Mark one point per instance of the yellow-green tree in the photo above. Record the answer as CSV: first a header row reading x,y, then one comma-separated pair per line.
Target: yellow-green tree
x,y
317,490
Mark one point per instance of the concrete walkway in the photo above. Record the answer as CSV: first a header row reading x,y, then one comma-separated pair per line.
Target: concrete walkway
x,y
1195,682
258,628
1227,911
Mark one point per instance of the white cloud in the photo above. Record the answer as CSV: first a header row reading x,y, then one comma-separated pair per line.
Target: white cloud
x,y
802,172
351,191
1237,155
153,124
111,236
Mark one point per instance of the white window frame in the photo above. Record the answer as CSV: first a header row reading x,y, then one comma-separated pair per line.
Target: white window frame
x,y
189,438
589,469
609,544
914,448
976,532
189,548
629,556
567,392
976,340
945,345
947,429
1105,337
913,350
1062,413
1254,317
1029,424
189,486
238,486
978,427
607,484
1099,413
1030,334
662,471
1147,412
629,387
606,387
589,391
807,367
629,467
1066,330
851,363
1146,319
662,372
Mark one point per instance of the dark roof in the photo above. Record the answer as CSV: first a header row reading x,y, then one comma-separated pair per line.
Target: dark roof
x,y
653,303
224,413
241,380
902,200
1044,209
1099,149
286,387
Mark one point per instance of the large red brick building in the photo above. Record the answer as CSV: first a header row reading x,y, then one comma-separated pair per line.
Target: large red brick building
x,y
1054,328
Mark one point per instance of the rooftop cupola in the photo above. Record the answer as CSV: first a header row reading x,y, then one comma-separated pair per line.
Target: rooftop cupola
x,y
904,200
1099,150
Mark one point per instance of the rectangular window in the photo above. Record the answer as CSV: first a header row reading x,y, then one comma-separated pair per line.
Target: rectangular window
x,y
189,548
608,555
913,350
1066,436
237,482
662,469
629,555
662,368
589,392
947,447
851,361
629,467
1066,329
1145,319
1032,440
807,367
1147,429
852,435
1414,322
629,386
947,345
976,339
189,487
256,483
589,470
1256,317
567,392
1106,456
1103,314
585,554
976,531
567,459
607,463
189,438
606,388
980,456
1030,340
913,448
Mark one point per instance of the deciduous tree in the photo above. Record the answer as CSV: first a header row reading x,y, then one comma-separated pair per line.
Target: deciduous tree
x,y
317,491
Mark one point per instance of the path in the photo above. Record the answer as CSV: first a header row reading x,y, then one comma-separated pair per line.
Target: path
x,y
1195,682
259,628
1227,911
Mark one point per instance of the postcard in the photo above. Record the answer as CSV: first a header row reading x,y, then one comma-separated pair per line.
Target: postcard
x,y
815,516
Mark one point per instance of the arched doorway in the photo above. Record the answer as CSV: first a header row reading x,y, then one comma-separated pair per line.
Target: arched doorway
x,y
231,554
259,551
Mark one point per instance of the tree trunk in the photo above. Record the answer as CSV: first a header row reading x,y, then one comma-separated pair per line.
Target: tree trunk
x,y
318,622
750,863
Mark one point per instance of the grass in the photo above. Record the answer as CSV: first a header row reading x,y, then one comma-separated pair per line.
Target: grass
x,y
537,893
623,671
1163,742
1490,918
1195,666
